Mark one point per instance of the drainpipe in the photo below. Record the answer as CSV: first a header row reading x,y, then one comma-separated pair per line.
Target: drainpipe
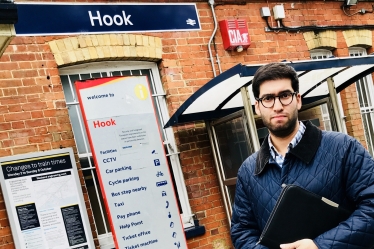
x,y
211,2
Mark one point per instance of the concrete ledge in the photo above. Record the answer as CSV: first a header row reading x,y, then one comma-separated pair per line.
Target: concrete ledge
x,y
324,39
195,231
7,33
359,38
88,48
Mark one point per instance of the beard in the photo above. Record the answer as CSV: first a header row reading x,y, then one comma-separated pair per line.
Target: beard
x,y
282,130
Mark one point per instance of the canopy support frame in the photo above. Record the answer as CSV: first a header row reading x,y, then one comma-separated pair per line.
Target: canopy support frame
x,y
334,102
250,118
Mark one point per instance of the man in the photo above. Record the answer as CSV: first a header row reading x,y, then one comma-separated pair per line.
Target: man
x,y
330,164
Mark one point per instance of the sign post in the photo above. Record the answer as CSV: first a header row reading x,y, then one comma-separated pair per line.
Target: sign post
x,y
44,201
131,163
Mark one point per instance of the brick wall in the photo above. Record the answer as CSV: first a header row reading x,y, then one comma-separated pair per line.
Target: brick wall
x,y
352,113
33,114
202,186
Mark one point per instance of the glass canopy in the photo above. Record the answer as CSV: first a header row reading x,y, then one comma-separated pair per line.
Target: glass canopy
x,y
221,96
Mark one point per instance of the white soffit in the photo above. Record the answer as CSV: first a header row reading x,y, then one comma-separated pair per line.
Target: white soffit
x,y
339,79
310,79
350,73
211,99
237,100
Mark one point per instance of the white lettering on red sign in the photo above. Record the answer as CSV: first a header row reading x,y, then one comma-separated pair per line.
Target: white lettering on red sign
x,y
236,37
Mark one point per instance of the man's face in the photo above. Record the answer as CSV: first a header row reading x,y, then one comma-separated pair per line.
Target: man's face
x,y
281,120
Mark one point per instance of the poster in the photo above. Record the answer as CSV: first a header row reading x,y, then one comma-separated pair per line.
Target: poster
x,y
44,201
131,163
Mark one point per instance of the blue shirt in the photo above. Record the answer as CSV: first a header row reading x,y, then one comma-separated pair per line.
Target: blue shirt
x,y
278,158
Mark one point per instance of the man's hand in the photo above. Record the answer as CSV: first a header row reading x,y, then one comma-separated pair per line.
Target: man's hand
x,y
300,244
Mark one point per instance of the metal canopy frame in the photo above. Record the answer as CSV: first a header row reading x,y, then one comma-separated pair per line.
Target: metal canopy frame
x,y
231,91
224,94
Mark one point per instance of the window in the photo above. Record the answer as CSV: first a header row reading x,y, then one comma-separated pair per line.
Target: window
x,y
326,117
320,54
232,143
365,93
106,69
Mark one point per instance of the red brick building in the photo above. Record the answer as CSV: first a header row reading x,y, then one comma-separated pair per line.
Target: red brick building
x,y
38,109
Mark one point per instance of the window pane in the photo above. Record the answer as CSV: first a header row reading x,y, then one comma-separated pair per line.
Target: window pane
x,y
233,146
327,126
116,73
79,129
98,75
173,180
94,197
359,94
231,191
68,87
326,117
85,76
367,120
126,73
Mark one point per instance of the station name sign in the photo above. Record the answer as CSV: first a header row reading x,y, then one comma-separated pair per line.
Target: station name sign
x,y
63,19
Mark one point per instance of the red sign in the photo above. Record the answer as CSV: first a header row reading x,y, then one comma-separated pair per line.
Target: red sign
x,y
234,34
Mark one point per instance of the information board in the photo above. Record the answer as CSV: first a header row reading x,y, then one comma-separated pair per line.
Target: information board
x,y
132,168
44,201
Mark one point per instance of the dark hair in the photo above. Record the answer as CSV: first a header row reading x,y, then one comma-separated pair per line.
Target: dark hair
x,y
274,71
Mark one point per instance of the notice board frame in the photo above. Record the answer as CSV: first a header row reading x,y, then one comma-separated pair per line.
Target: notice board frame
x,y
29,157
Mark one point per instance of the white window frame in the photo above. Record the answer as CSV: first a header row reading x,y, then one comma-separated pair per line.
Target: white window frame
x,y
367,84
320,54
106,240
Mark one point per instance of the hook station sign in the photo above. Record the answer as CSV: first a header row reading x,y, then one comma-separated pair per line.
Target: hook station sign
x,y
63,19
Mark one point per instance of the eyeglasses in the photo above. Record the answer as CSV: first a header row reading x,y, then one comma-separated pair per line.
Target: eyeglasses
x,y
285,98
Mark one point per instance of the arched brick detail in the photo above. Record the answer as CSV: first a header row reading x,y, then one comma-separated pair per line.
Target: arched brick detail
x,y
7,33
324,39
358,38
88,48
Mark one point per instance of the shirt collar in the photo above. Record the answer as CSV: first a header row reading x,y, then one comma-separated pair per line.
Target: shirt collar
x,y
305,150
295,140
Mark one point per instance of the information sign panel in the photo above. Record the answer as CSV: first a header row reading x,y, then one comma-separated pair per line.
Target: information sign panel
x,y
44,201
132,167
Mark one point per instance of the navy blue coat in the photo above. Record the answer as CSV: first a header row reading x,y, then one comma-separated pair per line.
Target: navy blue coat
x,y
330,164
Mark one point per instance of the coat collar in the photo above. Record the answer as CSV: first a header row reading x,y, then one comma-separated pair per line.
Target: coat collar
x,y
304,150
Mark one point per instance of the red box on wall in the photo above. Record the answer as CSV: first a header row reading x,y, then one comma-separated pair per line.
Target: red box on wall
x,y
234,34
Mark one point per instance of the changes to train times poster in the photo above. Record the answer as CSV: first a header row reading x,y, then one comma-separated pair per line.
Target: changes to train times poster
x,y
132,167
44,201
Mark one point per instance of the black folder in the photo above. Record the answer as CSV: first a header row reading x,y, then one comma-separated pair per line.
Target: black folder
x,y
300,214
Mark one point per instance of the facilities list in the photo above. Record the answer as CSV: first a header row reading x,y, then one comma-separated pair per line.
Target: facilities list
x,y
132,167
